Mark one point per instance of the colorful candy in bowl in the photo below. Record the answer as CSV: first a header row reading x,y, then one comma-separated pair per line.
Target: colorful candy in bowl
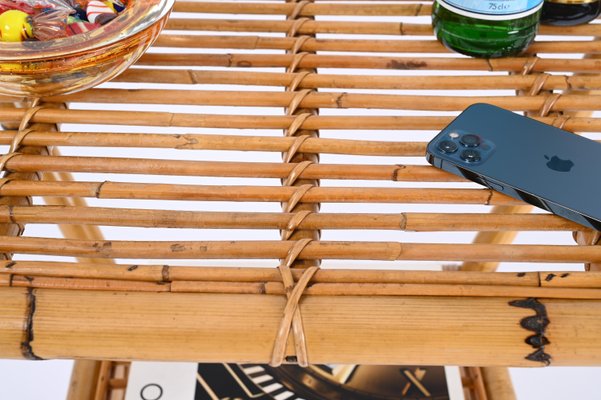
x,y
51,47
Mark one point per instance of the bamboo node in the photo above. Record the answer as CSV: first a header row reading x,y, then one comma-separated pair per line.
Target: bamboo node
x,y
296,124
297,196
99,189
294,223
548,104
538,84
297,171
296,145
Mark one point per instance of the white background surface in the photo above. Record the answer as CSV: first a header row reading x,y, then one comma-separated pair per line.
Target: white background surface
x,y
23,380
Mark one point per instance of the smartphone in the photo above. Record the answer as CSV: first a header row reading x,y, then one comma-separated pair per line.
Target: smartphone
x,y
545,166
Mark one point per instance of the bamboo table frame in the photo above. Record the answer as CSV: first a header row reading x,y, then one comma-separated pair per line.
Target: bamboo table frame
x,y
95,309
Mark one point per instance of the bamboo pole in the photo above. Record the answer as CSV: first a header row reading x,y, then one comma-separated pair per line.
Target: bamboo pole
x,y
497,383
84,380
166,119
159,273
375,62
316,250
309,10
161,278
312,27
570,102
318,289
116,190
314,80
218,142
411,173
170,40
339,329
420,222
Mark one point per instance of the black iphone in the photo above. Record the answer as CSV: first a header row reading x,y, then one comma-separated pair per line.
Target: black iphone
x,y
545,166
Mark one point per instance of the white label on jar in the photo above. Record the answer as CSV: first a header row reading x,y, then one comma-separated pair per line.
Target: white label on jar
x,y
497,10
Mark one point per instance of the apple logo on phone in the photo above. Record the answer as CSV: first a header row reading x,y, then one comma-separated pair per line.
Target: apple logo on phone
x,y
557,164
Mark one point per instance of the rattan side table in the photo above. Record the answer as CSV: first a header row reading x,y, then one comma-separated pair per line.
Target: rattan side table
x,y
149,294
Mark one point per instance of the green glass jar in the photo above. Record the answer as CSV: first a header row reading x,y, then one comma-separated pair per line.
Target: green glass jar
x,y
488,29
569,12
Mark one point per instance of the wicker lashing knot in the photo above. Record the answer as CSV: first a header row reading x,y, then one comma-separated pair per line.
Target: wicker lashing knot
x,y
297,196
297,25
296,172
292,319
297,99
20,136
298,8
4,159
538,84
560,121
294,222
294,148
297,123
548,104
529,65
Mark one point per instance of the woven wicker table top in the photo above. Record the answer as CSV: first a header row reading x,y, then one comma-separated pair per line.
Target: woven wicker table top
x,y
262,134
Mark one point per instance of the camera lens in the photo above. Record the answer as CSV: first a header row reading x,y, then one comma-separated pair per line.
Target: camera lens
x,y
470,140
470,155
447,146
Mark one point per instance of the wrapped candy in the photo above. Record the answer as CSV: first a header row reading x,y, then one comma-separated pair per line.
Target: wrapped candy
x,y
28,19
75,26
22,20
15,26
100,12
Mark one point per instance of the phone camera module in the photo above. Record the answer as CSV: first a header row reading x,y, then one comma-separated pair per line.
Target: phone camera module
x,y
470,140
447,146
470,155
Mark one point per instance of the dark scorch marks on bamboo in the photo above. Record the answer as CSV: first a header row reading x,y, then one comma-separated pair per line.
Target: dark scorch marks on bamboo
x,y
396,64
538,324
26,348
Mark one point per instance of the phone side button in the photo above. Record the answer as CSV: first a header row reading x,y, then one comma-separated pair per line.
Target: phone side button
x,y
495,186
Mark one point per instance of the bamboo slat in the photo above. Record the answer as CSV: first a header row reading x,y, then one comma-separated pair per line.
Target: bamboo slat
x,y
311,27
314,81
316,250
167,119
420,222
25,163
307,10
392,63
143,191
218,142
327,100
350,45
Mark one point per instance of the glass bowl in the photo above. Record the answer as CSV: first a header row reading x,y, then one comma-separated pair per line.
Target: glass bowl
x,y
36,69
